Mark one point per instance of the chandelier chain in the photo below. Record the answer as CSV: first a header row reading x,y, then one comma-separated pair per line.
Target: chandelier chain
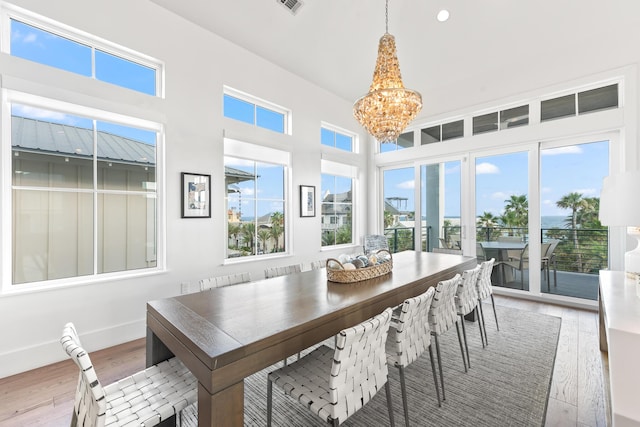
x,y
386,16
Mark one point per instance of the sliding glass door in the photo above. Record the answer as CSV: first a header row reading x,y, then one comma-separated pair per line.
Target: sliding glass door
x,y
440,205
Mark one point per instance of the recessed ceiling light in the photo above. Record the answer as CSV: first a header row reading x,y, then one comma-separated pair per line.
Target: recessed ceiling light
x,y
443,15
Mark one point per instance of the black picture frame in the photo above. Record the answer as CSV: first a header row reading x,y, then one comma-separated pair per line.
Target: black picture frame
x,y
307,201
196,195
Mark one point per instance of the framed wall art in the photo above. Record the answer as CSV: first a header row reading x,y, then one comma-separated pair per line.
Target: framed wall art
x,y
307,200
196,195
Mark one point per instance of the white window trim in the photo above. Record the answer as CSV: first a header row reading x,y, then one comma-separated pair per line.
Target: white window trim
x,y
259,153
9,11
259,102
10,97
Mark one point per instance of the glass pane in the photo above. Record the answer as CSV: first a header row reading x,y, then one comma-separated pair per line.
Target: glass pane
x,y
52,235
514,117
453,130
327,137
502,216
558,107
430,135
46,48
571,178
344,142
269,119
485,123
399,208
405,140
273,222
440,188
126,232
51,149
125,73
598,99
237,109
388,146
126,158
336,208
270,181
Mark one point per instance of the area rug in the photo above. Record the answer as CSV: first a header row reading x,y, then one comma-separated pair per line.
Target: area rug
x,y
507,384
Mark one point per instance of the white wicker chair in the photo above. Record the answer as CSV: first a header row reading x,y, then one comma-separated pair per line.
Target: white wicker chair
x,y
467,302
281,271
485,290
220,281
443,315
143,399
409,337
334,384
318,264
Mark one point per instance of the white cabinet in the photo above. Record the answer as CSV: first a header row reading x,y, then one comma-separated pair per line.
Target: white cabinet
x,y
620,332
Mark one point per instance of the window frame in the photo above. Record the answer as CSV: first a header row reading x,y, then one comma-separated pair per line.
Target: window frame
x,y
343,170
9,97
9,12
258,102
355,142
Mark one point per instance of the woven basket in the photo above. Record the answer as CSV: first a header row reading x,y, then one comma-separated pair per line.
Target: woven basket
x,y
359,274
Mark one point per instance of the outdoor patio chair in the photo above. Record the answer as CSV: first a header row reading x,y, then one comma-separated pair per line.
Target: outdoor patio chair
x,y
375,242
485,290
521,261
510,253
281,271
548,259
146,398
443,315
480,253
409,337
467,302
444,243
334,384
220,281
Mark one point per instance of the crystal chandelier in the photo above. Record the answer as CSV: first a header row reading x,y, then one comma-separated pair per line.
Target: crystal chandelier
x,y
388,107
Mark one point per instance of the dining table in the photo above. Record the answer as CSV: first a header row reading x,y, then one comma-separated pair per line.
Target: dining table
x,y
498,250
226,334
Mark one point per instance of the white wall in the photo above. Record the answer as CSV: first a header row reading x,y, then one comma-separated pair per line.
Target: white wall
x,y
198,64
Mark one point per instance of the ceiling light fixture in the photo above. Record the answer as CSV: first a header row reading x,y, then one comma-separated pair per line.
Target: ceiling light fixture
x,y
443,15
388,107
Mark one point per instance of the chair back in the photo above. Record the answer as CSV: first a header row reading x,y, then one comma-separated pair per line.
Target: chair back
x,y
412,332
551,249
375,242
447,251
480,254
220,281
281,271
359,368
544,249
509,239
483,283
443,313
318,264
443,243
90,403
467,292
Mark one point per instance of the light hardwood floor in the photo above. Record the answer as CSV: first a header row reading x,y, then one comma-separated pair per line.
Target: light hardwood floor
x,y
44,396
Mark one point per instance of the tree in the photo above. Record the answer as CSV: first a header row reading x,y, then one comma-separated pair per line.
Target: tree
x,y
575,202
388,219
519,205
488,222
277,229
264,235
248,232
233,229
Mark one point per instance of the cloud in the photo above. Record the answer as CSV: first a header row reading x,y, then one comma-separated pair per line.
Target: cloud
x,y
453,169
587,191
487,168
38,113
548,202
546,190
571,149
407,185
500,195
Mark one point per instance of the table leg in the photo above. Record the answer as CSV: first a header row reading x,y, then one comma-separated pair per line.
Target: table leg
x,y
156,350
225,408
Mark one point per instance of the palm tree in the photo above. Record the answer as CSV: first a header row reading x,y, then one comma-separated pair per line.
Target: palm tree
x,y
277,228
510,220
487,221
248,232
519,205
575,202
264,235
233,229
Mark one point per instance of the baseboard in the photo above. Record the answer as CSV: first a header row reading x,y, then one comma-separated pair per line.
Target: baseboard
x,y
46,353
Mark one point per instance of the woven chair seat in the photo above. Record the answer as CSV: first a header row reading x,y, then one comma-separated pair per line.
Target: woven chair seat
x,y
335,383
143,399
485,290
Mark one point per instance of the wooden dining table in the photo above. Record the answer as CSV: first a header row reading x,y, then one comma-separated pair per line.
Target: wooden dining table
x,y
224,335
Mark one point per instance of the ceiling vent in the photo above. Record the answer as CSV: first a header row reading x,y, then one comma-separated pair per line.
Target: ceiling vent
x,y
291,5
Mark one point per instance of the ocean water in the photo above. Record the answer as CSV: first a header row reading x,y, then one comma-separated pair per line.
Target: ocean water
x,y
551,221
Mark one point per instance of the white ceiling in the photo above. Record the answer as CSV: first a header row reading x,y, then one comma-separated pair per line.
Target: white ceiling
x,y
482,47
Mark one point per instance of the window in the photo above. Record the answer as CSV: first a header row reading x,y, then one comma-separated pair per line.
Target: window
x,y
399,208
255,200
514,117
333,137
248,109
83,193
602,98
405,140
485,123
442,132
48,45
337,206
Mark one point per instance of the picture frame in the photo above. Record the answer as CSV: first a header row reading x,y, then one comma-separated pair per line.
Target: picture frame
x,y
196,195
307,201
